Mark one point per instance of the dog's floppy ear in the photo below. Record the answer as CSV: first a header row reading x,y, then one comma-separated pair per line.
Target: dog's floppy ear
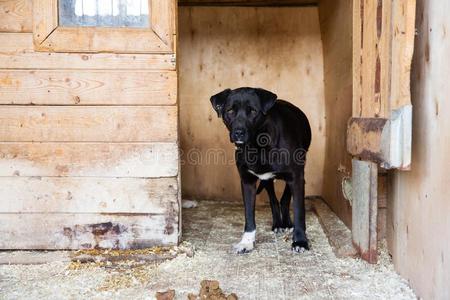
x,y
218,101
267,99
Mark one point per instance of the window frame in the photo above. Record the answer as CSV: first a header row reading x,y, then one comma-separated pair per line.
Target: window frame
x,y
48,36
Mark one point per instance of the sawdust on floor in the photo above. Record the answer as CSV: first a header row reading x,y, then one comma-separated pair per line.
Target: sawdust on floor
x,y
271,271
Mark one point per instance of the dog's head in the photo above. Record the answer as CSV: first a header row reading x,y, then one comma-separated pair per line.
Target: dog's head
x,y
243,110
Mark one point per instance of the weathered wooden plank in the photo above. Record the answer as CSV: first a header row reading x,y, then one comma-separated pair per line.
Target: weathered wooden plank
x,y
365,137
403,32
16,16
103,39
89,159
78,231
364,209
247,2
88,87
87,61
88,123
384,141
369,58
12,43
337,233
87,195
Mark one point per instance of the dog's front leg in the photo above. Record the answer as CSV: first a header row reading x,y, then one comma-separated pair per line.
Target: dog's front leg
x,y
300,242
247,242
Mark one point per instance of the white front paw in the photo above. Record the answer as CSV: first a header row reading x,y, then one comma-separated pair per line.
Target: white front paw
x,y
246,244
241,248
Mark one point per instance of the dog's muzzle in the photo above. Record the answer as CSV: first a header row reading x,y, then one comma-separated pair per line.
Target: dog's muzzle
x,y
239,136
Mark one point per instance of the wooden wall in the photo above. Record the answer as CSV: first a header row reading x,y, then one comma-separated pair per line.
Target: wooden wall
x,y
278,49
88,144
336,28
247,2
418,205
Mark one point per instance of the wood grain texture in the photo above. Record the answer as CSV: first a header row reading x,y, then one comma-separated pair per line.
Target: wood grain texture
x,y
89,159
12,43
403,34
418,202
370,27
365,208
88,87
87,195
247,2
15,15
98,39
81,231
365,137
45,19
88,124
15,53
383,40
336,29
275,48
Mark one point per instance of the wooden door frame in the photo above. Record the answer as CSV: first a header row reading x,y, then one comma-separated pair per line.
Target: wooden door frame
x,y
379,132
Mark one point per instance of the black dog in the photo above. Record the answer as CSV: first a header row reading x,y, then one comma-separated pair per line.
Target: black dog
x,y
271,138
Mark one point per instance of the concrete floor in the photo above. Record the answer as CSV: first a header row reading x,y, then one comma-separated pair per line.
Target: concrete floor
x,y
271,271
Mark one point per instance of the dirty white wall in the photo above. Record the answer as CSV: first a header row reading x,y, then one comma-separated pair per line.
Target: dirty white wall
x,y
419,205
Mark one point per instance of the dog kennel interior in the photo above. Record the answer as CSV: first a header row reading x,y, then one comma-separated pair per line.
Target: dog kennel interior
x,y
301,52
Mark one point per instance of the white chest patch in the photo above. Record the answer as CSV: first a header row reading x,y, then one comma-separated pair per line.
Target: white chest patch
x,y
264,176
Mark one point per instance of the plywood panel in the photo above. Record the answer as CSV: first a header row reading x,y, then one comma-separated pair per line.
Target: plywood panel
x,y
89,159
15,15
275,48
75,231
88,87
418,200
336,29
88,123
87,195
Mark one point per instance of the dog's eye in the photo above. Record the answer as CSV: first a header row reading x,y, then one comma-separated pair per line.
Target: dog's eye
x,y
253,111
230,111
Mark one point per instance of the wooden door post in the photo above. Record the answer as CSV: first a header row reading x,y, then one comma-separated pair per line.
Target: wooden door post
x,y
379,132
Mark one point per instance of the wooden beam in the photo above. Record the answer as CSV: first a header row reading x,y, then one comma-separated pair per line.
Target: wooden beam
x,y
87,195
364,209
88,123
89,159
364,138
88,87
86,231
248,3
17,52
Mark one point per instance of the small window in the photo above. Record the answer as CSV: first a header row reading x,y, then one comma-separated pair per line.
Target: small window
x,y
104,13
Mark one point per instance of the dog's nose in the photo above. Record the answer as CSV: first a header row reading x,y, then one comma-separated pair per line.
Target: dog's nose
x,y
238,134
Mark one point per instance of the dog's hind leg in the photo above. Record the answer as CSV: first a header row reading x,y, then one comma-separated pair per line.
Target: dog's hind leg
x,y
297,186
274,205
286,223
